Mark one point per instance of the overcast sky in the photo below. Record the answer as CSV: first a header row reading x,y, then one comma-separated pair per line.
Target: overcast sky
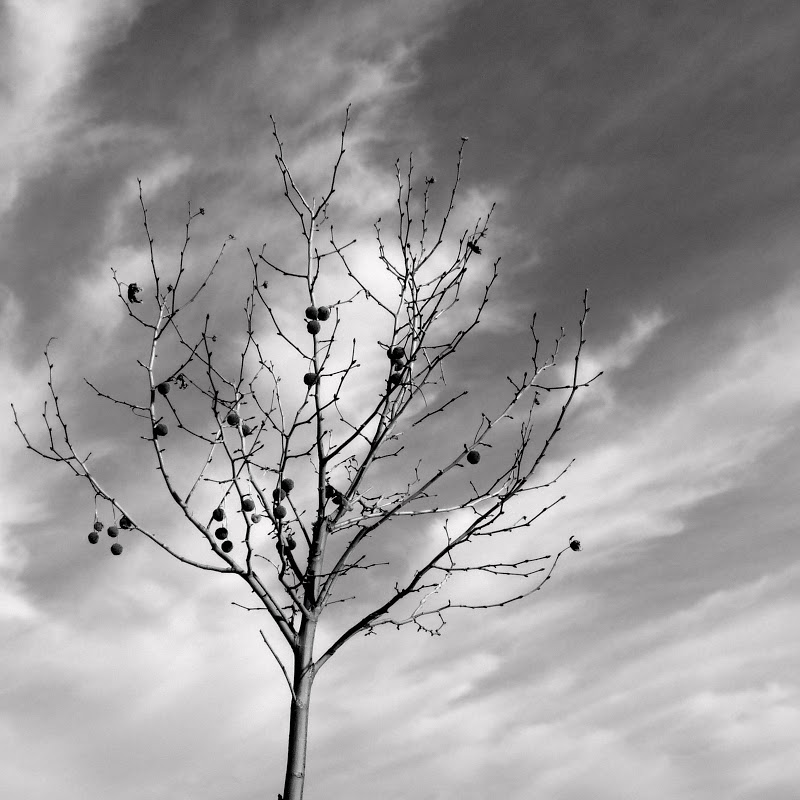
x,y
645,150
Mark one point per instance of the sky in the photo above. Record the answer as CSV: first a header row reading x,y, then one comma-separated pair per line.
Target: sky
x,y
647,151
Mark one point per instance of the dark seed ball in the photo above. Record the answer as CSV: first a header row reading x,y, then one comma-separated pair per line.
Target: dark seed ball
x,y
323,313
227,546
221,533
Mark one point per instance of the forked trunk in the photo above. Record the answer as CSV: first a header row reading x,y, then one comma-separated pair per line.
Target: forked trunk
x,y
298,721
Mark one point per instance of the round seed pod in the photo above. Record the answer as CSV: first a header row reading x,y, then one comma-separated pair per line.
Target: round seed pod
x,y
227,546
323,313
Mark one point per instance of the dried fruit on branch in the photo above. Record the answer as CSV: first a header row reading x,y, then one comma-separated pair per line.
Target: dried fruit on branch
x,y
133,290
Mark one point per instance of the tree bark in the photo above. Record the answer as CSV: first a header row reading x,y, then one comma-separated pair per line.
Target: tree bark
x,y
298,720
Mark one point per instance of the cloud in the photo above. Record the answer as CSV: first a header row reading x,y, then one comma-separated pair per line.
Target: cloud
x,y
694,703
48,49
23,506
687,439
621,354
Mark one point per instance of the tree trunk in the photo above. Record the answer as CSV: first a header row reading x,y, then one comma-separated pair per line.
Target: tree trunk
x,y
298,720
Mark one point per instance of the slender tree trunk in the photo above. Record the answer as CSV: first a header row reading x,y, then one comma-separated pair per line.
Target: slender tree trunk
x,y
298,720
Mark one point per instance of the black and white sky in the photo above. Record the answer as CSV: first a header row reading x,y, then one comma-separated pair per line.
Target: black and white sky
x,y
649,151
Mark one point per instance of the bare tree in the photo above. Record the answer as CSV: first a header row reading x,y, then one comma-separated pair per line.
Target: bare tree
x,y
294,552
